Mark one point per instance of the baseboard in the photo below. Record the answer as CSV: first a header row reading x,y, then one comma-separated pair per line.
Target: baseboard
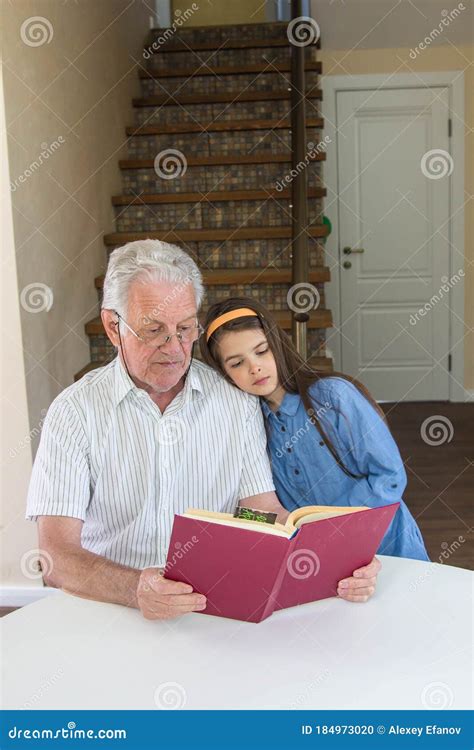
x,y
19,596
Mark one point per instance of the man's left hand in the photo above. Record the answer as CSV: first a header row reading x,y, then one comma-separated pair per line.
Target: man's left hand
x,y
361,586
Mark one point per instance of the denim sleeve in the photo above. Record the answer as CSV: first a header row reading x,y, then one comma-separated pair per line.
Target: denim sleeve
x,y
364,436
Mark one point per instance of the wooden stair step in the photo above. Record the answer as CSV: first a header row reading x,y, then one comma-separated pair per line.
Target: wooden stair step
x,y
90,366
234,276
167,100
217,160
206,69
210,235
179,45
318,319
223,195
196,127
323,364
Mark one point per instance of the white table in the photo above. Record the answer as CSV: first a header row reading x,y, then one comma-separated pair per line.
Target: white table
x,y
408,648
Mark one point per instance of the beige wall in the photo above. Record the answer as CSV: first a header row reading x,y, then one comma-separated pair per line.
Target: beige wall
x,y
75,93
439,58
16,537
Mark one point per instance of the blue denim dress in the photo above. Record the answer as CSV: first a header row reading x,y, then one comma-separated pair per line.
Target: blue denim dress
x,y
306,473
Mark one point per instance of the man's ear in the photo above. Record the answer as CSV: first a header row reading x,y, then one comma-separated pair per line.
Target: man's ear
x,y
111,323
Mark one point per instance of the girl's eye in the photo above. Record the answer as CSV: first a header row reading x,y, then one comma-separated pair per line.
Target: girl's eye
x,y
236,365
264,351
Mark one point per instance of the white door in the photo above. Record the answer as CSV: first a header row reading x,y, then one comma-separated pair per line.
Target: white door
x,y
393,197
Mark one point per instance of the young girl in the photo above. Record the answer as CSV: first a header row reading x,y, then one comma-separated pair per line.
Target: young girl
x,y
328,440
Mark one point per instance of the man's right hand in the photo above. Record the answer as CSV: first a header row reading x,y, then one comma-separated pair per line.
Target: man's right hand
x,y
160,599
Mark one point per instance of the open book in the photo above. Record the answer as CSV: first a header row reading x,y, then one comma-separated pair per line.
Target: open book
x,y
248,569
294,521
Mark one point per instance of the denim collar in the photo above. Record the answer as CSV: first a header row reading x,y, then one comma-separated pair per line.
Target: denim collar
x,y
289,405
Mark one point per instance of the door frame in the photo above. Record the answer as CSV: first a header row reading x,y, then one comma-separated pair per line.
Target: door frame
x,y
454,82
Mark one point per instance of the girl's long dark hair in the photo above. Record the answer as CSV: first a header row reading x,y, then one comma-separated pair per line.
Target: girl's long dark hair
x,y
294,374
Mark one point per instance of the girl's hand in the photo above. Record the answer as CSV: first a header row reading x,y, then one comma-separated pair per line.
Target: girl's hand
x,y
361,586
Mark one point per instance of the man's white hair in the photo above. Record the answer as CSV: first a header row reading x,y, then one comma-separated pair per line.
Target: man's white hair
x,y
148,260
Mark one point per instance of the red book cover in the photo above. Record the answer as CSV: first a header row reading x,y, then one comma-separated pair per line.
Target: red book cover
x,y
246,575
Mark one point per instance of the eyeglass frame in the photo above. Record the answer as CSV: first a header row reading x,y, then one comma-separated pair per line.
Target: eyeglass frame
x,y
168,337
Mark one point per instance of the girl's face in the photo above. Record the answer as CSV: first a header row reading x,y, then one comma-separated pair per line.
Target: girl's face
x,y
248,361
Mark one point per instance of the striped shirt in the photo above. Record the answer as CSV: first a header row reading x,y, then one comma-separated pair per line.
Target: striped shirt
x,y
108,456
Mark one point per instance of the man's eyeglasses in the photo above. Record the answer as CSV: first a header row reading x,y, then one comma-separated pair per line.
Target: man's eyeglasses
x,y
153,335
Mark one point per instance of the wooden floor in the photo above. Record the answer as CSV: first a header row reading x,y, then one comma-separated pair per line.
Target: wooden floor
x,y
440,491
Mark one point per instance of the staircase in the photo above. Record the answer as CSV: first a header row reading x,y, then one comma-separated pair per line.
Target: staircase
x,y
209,145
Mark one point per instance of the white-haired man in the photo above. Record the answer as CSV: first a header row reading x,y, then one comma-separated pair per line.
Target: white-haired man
x,y
143,438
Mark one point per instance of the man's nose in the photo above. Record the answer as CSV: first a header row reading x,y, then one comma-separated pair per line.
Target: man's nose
x,y
173,346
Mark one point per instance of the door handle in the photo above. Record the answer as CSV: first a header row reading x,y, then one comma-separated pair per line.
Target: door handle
x,y
347,264
351,250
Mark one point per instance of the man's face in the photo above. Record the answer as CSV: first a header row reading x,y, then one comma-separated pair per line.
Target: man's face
x,y
158,307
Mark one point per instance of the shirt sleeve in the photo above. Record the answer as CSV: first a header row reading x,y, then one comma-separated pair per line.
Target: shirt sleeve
x,y
60,480
366,444
256,476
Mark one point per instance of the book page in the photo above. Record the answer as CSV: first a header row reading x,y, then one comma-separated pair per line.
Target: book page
x,y
227,519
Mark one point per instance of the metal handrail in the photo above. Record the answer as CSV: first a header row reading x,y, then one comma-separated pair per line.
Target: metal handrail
x,y
299,242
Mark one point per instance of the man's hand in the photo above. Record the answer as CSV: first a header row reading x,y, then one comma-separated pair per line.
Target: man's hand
x,y
361,586
160,599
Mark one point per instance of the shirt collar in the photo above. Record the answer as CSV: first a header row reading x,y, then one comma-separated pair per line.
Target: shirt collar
x,y
289,405
124,384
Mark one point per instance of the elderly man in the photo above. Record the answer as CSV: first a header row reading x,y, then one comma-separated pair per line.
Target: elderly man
x,y
143,438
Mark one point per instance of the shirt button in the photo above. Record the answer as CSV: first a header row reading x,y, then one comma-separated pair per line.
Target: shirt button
x,y
297,471
283,429
393,486
321,442
278,413
289,450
